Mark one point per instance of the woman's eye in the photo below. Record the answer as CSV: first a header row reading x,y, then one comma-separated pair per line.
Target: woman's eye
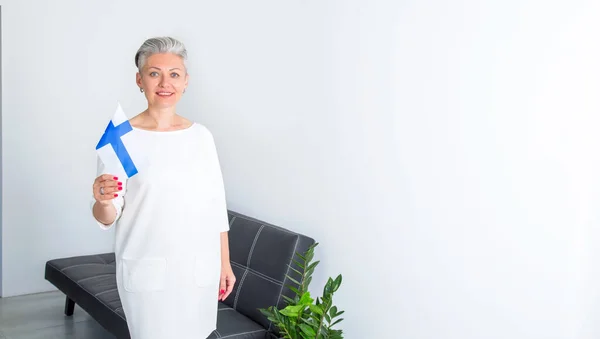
x,y
153,74
174,75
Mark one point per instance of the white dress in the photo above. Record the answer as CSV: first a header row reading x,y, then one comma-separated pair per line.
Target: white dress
x,y
167,247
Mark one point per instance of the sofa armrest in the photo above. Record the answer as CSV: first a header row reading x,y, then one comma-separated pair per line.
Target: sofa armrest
x,y
261,255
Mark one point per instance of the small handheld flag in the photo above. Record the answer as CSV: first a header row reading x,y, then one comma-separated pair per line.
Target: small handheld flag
x,y
117,128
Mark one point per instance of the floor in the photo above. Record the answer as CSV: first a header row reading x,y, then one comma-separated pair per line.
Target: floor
x,y
41,316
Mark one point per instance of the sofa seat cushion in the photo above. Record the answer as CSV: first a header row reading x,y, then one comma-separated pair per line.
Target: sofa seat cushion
x,y
90,281
233,325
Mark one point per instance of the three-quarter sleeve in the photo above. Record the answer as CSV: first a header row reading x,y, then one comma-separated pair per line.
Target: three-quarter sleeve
x,y
219,210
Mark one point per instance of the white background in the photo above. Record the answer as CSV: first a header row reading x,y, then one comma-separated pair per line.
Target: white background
x,y
445,155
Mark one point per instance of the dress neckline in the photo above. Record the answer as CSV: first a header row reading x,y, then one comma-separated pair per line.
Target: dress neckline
x,y
165,132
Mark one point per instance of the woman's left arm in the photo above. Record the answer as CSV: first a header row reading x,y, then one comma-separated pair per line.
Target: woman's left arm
x,y
227,276
221,220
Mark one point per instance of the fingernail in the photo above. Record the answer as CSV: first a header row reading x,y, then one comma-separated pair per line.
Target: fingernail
x,y
115,178
222,291
119,183
120,188
116,195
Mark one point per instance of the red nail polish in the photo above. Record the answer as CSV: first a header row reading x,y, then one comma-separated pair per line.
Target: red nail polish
x,y
115,178
116,195
119,183
222,291
120,188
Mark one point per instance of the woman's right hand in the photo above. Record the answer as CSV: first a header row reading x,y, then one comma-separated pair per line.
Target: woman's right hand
x,y
106,187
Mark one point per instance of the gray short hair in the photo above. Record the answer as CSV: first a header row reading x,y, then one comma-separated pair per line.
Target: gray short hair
x,y
159,45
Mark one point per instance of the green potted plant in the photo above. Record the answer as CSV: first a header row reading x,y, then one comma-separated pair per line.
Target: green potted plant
x,y
305,317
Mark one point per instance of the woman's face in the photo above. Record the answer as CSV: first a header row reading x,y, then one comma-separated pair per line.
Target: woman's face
x,y
163,79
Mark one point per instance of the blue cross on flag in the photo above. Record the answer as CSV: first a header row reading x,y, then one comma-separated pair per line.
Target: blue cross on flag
x,y
116,147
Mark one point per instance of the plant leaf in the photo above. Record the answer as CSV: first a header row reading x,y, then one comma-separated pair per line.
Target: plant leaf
x,y
335,322
327,288
313,265
295,270
294,280
265,312
288,299
335,334
292,310
316,309
295,290
301,265
308,330
337,282
301,256
305,299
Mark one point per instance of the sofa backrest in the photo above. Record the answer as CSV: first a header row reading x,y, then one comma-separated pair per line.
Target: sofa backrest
x,y
260,254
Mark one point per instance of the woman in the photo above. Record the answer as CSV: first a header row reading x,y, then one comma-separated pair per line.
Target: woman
x,y
172,253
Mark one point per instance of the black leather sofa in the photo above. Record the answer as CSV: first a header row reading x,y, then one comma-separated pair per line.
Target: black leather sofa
x,y
260,254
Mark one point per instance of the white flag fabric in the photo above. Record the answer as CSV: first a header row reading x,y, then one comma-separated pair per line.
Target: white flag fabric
x,y
117,147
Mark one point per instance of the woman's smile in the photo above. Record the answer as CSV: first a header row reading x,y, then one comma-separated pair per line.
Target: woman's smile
x,y
164,94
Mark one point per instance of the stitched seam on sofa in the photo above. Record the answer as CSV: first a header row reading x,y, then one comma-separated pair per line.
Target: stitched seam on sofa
x,y
226,309
260,275
283,229
218,334
254,244
264,276
285,276
96,276
247,218
99,293
103,261
89,264
269,225
249,332
103,303
223,306
237,294
232,220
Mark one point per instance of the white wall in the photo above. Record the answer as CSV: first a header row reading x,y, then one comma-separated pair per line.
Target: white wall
x,y
1,153
444,155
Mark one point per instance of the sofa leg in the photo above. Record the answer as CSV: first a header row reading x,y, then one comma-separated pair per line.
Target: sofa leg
x,y
69,307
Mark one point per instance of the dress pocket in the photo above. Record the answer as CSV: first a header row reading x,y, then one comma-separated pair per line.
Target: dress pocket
x,y
144,275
